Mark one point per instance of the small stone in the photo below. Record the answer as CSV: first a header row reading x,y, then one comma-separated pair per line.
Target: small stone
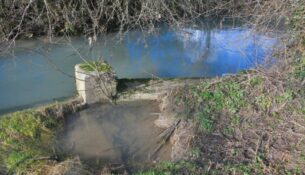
x,y
249,153
238,134
181,140
165,120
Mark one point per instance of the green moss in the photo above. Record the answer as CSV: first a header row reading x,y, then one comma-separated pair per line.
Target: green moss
x,y
99,66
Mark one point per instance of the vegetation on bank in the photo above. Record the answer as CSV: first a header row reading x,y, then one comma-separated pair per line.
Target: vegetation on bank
x,y
100,66
28,138
25,138
250,123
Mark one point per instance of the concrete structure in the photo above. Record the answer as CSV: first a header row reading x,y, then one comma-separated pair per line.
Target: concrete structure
x,y
95,86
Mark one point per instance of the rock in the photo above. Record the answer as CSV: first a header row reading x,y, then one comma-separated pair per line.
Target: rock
x,y
238,134
165,120
181,141
250,153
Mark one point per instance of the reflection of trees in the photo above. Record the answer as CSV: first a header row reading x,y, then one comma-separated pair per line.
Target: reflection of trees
x,y
196,43
206,52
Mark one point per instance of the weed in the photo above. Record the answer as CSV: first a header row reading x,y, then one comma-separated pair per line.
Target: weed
x,y
285,97
264,102
222,96
206,122
195,152
256,81
99,66
228,130
236,120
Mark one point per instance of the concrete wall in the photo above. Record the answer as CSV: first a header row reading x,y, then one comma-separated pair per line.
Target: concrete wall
x,y
95,86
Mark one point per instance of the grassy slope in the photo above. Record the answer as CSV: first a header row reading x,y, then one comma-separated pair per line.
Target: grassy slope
x,y
27,138
24,137
251,123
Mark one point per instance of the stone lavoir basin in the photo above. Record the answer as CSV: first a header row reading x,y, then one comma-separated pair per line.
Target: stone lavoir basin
x,y
124,133
109,132
132,132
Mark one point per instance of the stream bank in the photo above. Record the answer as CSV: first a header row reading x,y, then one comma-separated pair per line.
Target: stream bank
x,y
51,123
226,124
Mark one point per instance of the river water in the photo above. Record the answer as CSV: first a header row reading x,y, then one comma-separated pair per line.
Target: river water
x,y
39,72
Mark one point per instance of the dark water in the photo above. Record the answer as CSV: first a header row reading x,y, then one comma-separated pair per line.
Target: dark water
x,y
120,134
39,72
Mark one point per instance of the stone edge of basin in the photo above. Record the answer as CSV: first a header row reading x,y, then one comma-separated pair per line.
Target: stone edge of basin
x,y
136,89
95,86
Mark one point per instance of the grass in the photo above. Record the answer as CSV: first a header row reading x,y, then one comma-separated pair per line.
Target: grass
x,y
24,137
99,66
170,168
248,109
257,167
212,99
264,102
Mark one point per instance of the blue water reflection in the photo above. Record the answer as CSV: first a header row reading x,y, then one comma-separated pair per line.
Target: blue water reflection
x,y
195,53
39,72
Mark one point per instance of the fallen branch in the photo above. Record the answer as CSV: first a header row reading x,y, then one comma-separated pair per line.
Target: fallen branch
x,y
164,137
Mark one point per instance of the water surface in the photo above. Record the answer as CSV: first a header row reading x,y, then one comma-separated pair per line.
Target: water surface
x,y
39,72
107,134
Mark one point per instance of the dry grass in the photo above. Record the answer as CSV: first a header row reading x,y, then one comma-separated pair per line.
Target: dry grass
x,y
249,123
67,167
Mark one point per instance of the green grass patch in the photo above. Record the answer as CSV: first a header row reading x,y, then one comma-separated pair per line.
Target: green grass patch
x,y
216,98
170,168
99,66
264,102
299,71
256,81
24,137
